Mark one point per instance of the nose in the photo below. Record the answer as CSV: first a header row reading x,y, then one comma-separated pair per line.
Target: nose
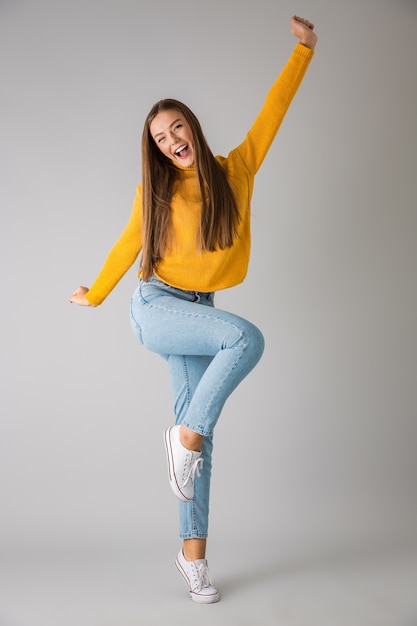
x,y
174,138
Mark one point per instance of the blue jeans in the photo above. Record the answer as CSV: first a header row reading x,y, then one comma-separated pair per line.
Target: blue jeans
x,y
209,352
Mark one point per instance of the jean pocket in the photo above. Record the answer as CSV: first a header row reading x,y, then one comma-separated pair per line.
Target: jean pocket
x,y
147,291
136,327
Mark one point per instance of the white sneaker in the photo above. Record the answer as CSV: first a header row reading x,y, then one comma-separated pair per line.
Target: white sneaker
x,y
182,464
197,577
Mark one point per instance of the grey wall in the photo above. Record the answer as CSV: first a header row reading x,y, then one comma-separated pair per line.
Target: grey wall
x,y
328,417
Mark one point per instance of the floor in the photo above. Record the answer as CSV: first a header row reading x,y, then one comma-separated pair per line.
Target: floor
x,y
361,584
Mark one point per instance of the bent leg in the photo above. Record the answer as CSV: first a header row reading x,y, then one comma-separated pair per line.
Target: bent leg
x,y
210,352
169,325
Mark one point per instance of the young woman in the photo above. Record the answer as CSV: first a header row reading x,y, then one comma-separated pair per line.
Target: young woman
x,y
191,223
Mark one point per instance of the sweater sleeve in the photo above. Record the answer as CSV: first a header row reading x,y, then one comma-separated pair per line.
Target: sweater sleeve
x,y
121,257
260,137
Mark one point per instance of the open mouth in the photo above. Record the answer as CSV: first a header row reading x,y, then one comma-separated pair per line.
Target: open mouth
x,y
182,151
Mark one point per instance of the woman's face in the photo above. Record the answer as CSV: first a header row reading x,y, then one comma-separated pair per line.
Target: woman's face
x,y
173,136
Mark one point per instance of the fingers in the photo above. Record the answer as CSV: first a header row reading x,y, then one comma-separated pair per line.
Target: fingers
x,y
80,300
301,20
78,296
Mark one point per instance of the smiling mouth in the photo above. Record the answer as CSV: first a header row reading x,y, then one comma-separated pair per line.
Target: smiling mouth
x,y
182,151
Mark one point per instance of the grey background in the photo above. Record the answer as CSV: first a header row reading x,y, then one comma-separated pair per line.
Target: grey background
x,y
315,462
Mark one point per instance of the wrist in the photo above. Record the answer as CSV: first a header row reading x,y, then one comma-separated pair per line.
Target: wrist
x,y
309,41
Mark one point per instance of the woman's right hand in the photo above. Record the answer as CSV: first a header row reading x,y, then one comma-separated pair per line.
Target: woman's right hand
x,y
78,297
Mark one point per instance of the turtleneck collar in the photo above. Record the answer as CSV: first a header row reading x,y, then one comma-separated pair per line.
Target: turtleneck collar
x,y
189,168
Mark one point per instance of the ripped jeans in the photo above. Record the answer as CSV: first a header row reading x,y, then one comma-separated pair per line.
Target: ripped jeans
x,y
209,352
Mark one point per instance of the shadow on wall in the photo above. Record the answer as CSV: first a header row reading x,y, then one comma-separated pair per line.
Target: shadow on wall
x,y
356,557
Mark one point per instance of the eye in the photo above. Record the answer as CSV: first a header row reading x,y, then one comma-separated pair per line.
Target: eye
x,y
178,126
161,139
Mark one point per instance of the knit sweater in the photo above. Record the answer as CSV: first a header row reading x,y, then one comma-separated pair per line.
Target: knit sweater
x,y
183,265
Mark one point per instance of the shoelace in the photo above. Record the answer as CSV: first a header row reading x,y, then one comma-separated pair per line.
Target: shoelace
x,y
201,577
194,468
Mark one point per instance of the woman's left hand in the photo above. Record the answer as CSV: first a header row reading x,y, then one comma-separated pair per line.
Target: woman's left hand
x,y
303,29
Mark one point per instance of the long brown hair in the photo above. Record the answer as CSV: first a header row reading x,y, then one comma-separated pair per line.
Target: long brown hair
x,y
219,212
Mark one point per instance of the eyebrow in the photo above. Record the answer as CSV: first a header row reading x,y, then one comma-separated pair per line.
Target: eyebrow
x,y
170,126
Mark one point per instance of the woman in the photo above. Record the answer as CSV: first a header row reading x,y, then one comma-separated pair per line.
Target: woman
x,y
191,223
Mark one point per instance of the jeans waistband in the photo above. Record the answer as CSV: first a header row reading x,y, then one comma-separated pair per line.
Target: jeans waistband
x,y
196,295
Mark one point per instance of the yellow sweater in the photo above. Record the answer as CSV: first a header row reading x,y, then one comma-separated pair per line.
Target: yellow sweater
x,y
183,265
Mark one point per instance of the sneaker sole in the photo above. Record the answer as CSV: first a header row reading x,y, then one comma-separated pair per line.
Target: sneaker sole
x,y
201,599
171,474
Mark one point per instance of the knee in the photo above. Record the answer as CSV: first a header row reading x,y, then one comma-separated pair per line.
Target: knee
x,y
255,340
